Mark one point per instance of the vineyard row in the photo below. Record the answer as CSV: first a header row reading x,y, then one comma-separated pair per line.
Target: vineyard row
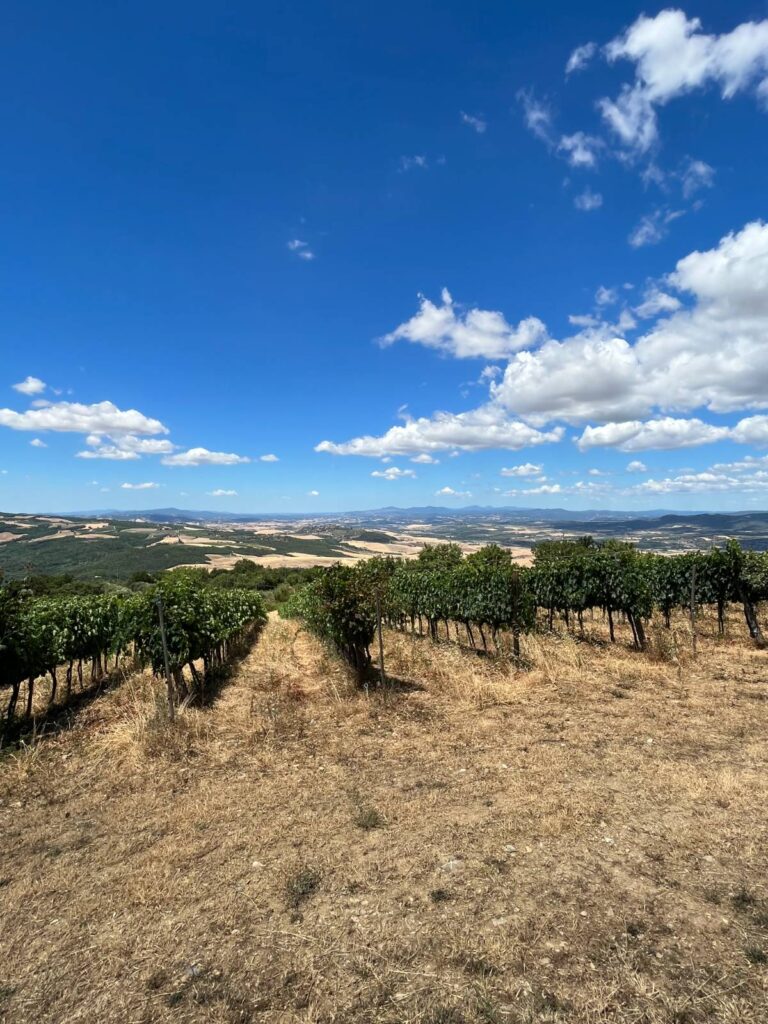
x,y
40,635
485,592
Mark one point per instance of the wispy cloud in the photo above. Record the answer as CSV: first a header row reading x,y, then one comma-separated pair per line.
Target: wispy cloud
x,y
301,249
696,175
409,163
537,115
653,227
580,57
478,123
588,200
580,149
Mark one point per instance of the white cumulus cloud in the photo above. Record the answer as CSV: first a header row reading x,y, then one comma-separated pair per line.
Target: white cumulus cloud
x,y
203,457
148,486
525,469
99,418
486,427
393,473
123,447
672,57
30,386
466,333
448,492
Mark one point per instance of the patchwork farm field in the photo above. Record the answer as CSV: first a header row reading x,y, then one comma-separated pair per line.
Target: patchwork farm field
x,y
113,549
579,838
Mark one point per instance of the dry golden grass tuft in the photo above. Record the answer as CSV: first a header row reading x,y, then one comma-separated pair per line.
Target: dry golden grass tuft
x,y
580,840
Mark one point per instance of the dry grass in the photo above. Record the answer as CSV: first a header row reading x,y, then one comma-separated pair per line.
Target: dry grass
x,y
583,841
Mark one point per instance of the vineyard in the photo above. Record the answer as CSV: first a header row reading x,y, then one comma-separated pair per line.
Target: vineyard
x,y
40,636
486,602
482,601
527,823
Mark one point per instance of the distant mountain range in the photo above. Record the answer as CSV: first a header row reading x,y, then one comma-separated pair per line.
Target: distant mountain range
x,y
392,513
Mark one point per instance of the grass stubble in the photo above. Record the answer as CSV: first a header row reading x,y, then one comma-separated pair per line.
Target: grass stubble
x,y
582,840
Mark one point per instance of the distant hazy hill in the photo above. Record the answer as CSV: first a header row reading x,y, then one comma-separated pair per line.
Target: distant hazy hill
x,y
393,513
113,544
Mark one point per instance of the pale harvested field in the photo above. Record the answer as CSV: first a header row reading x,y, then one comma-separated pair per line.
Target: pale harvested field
x,y
402,546
585,841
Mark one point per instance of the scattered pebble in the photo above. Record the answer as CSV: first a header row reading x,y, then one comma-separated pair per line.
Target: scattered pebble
x,y
454,864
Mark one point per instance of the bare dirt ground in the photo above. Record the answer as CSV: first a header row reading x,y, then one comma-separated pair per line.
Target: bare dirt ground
x,y
584,841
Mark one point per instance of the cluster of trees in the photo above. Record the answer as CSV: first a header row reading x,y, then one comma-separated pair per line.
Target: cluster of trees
x,y
40,635
485,594
274,583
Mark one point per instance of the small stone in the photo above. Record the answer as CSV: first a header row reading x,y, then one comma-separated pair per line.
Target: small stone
x,y
257,864
452,865
509,848
193,970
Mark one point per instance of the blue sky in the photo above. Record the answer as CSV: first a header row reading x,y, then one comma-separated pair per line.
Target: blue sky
x,y
400,249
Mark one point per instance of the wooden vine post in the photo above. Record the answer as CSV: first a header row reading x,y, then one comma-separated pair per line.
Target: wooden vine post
x,y
381,641
168,679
